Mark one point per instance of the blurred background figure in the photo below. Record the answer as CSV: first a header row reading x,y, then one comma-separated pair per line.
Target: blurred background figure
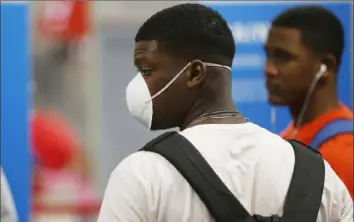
x,y
62,182
63,186
8,210
71,95
304,52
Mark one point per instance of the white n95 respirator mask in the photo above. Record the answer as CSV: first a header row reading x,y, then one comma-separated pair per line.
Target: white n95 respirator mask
x,y
140,101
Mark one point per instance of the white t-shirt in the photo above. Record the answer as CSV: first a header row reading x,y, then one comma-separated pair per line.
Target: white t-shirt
x,y
255,164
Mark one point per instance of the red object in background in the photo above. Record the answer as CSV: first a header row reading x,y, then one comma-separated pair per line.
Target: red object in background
x,y
56,146
64,19
54,141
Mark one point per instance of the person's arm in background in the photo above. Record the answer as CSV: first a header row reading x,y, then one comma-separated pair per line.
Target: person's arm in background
x,y
338,152
8,210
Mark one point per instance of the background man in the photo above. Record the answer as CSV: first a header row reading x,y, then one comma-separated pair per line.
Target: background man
x,y
303,51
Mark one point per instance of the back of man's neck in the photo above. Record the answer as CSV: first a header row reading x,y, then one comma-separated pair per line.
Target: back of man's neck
x,y
201,109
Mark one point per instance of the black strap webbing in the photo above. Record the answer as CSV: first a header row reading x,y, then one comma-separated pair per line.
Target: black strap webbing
x,y
306,187
221,203
304,195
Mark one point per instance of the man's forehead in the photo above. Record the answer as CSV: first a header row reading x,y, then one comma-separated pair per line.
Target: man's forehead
x,y
150,52
146,46
284,36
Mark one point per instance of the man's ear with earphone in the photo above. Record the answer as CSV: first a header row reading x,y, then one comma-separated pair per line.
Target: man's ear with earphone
x,y
323,69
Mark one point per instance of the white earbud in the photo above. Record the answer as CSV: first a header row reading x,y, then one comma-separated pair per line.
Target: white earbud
x,y
323,69
319,74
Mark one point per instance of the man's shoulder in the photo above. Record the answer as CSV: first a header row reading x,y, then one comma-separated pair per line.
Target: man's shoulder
x,y
340,140
332,182
141,159
336,198
143,163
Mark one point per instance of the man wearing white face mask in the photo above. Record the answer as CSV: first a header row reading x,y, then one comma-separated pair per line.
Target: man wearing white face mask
x,y
184,54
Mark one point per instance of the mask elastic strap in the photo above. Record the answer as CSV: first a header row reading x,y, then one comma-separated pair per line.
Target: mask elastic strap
x,y
216,65
174,78
168,84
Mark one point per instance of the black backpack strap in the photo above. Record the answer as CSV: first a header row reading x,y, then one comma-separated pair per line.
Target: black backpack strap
x,y
306,187
218,199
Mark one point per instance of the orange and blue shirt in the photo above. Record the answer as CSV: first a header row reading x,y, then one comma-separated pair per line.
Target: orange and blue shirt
x,y
338,150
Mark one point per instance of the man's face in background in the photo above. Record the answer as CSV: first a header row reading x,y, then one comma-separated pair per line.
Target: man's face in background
x,y
290,67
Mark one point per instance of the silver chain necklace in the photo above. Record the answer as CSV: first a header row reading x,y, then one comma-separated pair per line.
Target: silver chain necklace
x,y
215,115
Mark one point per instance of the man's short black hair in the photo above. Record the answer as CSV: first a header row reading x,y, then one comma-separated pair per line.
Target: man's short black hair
x,y
321,30
192,31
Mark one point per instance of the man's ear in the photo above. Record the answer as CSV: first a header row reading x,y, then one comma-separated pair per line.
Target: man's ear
x,y
196,73
331,64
